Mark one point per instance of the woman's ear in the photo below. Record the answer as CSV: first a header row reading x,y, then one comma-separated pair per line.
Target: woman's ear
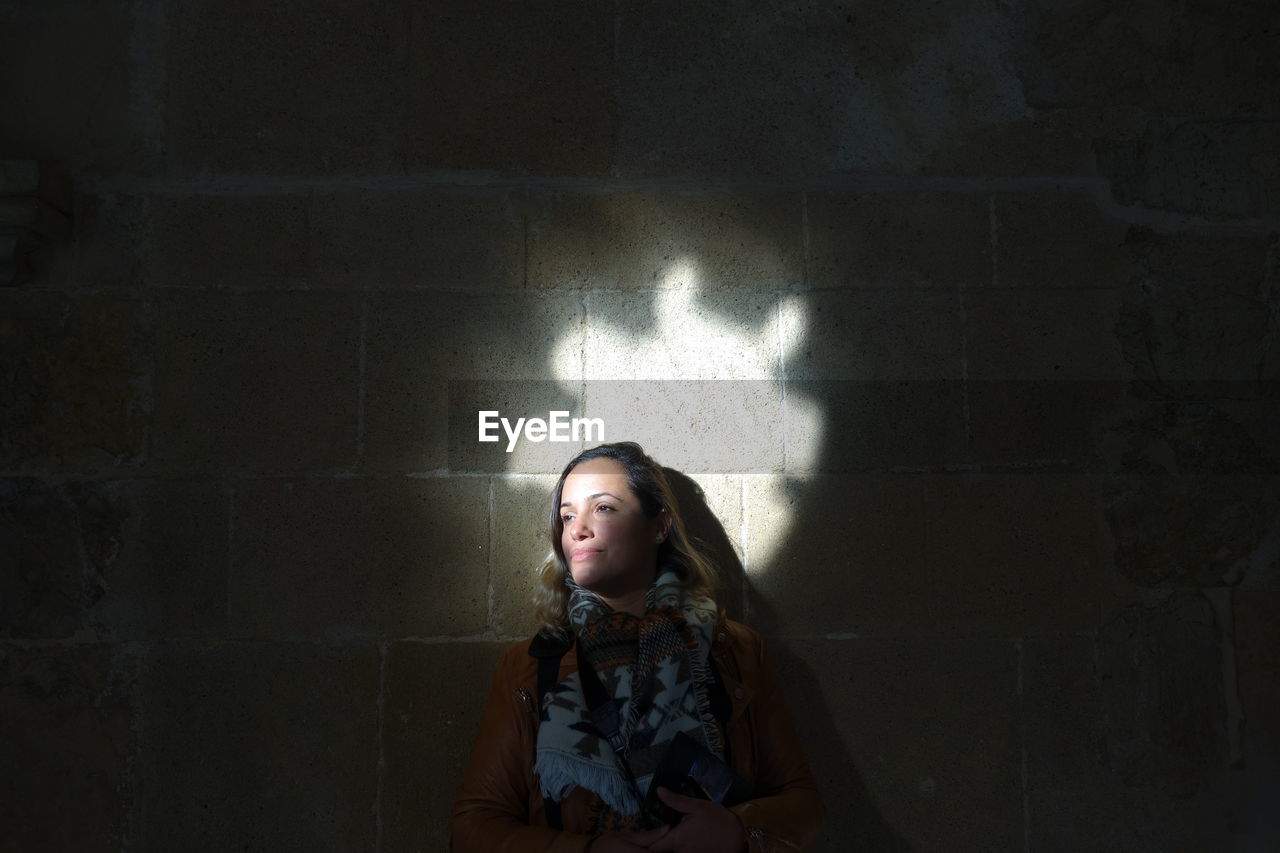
x,y
664,525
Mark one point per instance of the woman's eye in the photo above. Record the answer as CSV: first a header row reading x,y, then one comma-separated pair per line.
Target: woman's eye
x,y
566,518
604,507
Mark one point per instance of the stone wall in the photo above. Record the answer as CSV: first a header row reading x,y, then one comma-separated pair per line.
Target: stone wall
x,y
957,324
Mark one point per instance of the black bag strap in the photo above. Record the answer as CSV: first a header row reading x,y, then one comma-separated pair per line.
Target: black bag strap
x,y
548,651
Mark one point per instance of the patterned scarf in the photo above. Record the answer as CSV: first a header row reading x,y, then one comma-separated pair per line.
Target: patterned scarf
x,y
656,671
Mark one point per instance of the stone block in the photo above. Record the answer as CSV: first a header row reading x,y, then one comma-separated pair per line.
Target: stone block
x,y
863,535
387,239
1197,323
42,586
914,744
261,89
541,451
435,695
228,241
1011,554
534,96
711,426
1057,239
77,369
673,239
1193,529
1061,424
259,746
68,744
111,241
1257,639
1093,53
417,343
682,334
1225,168
1163,699
344,557
862,426
889,89
876,335
68,84
521,506
898,239
291,359
1127,743
1044,335
155,554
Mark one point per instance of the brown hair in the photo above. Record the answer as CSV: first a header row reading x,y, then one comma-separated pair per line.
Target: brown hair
x,y
648,481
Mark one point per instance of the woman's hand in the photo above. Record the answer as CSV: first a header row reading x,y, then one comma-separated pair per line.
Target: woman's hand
x,y
626,842
706,827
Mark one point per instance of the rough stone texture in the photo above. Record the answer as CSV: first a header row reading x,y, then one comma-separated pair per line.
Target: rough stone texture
x,y
520,544
1098,54
67,717
896,239
680,334
876,335
67,84
696,425
884,88
256,382
1127,742
914,749
336,558
42,587
534,95
850,426
418,343
227,241
1077,794
1011,555
1163,705
76,395
1057,240
1045,335
1190,498
259,746
441,240
1043,424
863,535
155,554
434,697
111,239
1225,168
1257,639
257,88
1198,318
670,239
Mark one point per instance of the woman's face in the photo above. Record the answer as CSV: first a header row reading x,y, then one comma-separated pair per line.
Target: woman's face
x,y
609,544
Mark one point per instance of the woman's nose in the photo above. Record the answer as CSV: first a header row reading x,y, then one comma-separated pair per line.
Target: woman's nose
x,y
578,530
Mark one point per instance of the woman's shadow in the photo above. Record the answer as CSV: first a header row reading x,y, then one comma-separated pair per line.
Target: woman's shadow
x,y
853,822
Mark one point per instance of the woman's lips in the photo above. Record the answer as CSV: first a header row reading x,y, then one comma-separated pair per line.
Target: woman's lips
x,y
583,553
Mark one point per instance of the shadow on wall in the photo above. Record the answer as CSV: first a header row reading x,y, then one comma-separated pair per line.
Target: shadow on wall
x,y
853,821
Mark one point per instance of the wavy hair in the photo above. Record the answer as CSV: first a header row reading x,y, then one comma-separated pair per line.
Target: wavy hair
x,y
648,482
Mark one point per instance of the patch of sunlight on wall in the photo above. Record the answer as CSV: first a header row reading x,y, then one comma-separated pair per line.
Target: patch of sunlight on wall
x,y
694,336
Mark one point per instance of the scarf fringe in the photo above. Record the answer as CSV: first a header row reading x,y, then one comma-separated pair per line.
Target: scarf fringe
x,y
559,772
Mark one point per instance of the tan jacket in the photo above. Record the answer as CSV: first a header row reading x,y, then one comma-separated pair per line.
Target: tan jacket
x,y
499,808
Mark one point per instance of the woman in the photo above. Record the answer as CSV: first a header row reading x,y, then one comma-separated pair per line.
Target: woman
x,y
638,665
